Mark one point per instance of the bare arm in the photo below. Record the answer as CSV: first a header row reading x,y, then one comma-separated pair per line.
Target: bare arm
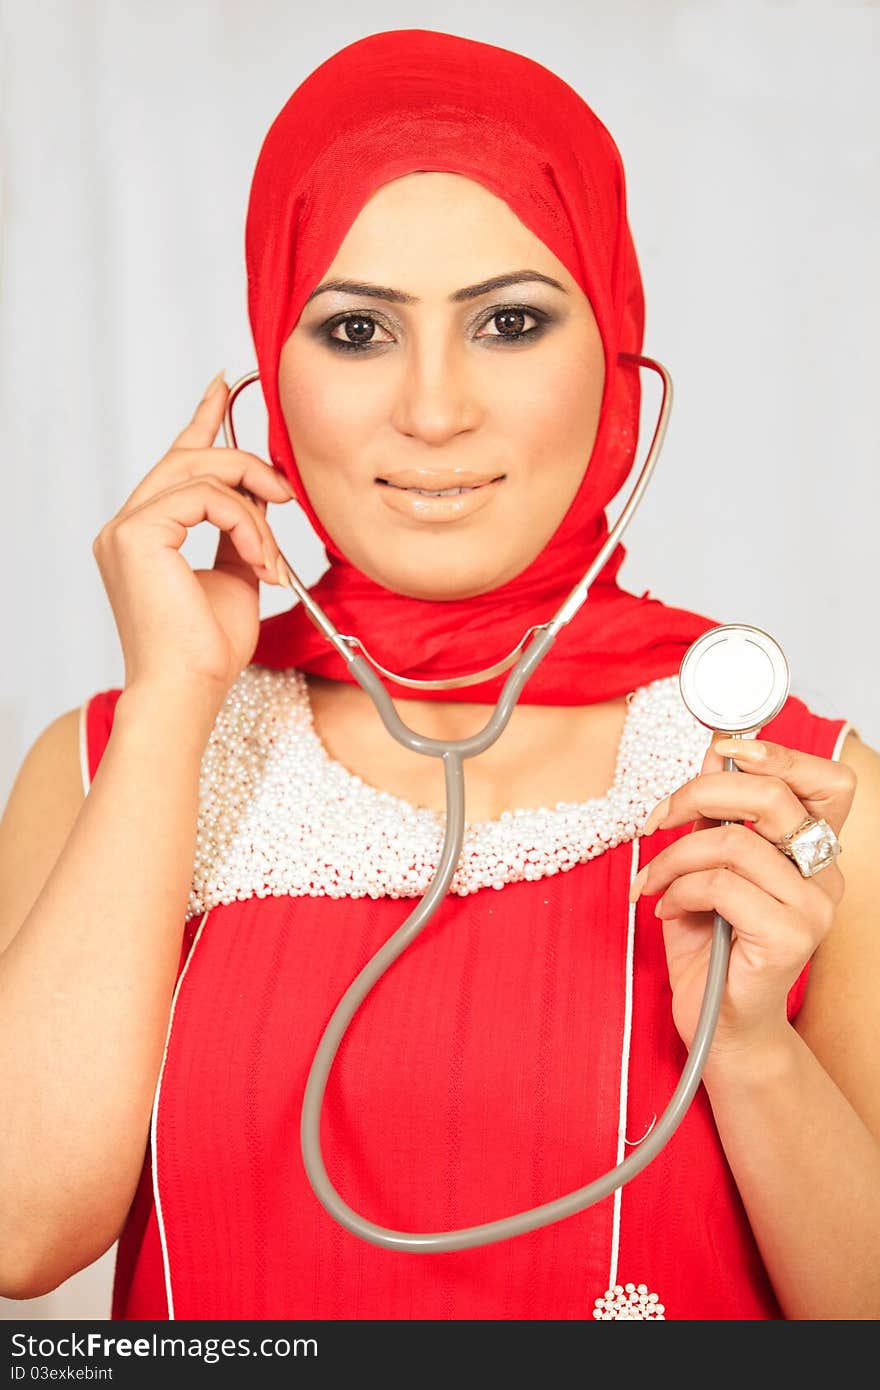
x,y
800,1125
93,892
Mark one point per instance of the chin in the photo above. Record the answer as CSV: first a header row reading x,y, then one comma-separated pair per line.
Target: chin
x,y
440,588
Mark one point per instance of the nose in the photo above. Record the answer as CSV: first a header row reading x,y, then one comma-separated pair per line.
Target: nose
x,y
436,395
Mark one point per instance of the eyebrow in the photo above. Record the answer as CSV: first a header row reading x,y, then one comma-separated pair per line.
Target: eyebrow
x,y
497,282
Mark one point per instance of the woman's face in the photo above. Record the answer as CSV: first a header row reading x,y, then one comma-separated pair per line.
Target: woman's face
x,y
425,380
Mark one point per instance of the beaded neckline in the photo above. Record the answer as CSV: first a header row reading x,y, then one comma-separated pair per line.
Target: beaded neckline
x,y
391,798
279,817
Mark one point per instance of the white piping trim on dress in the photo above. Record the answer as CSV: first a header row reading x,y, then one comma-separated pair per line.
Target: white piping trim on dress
x,y
841,739
166,1262
624,1063
84,747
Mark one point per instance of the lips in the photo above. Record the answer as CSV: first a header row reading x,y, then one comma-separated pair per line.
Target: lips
x,y
431,481
440,505
436,492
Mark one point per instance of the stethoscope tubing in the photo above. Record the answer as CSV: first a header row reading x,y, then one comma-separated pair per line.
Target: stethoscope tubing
x,y
452,756
561,1207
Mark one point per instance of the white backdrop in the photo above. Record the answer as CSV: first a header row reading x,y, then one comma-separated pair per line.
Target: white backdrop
x,y
749,131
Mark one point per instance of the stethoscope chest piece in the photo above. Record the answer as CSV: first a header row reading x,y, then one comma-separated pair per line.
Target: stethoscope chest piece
x,y
734,678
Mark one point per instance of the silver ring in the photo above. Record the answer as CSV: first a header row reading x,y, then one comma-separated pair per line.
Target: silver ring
x,y
812,845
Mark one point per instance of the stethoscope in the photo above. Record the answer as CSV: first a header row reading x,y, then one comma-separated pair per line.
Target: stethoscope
x,y
733,680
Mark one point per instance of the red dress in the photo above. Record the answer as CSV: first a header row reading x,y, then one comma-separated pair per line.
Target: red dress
x,y
515,1051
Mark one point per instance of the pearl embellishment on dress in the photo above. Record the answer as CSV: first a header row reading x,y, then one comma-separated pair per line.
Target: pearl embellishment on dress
x,y
629,1302
279,817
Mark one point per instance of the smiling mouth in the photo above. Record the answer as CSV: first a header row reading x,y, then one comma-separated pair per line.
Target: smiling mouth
x,y
442,492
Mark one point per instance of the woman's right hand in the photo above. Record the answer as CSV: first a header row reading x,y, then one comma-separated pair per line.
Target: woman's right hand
x,y
192,630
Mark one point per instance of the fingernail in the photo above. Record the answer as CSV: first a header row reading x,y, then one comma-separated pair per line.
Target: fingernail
x,y
267,552
638,884
658,908
281,568
291,492
213,384
747,749
656,816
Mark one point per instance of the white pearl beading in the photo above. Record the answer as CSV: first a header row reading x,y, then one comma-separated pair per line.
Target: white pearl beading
x,y
630,1303
279,817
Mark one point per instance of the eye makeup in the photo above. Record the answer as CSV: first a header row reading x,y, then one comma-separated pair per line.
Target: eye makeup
x,y
324,332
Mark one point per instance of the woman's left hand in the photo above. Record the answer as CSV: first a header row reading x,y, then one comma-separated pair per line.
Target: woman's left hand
x,y
777,916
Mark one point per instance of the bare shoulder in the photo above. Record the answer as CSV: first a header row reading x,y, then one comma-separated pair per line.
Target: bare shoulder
x,y
840,1017
43,805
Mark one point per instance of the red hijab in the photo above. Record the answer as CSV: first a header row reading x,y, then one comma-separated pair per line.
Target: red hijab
x,y
416,99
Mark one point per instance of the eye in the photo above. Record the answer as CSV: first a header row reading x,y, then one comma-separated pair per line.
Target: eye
x,y
360,331
511,321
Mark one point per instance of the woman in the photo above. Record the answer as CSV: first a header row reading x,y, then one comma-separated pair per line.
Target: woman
x,y
441,278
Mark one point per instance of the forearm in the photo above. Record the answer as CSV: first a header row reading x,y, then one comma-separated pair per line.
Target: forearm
x,y
86,985
808,1172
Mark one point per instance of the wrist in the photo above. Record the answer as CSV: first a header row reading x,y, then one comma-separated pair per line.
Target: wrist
x,y
755,1063
185,715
